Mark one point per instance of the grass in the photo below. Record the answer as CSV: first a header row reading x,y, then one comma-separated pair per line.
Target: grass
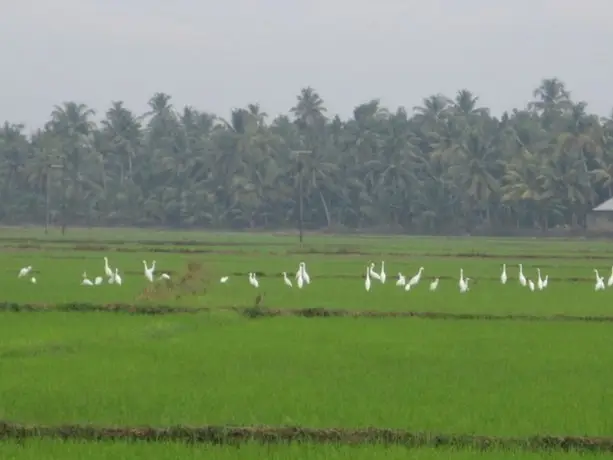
x,y
502,378
282,241
220,369
58,450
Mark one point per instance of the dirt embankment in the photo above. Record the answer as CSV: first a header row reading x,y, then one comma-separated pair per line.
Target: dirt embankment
x,y
314,312
235,435
250,248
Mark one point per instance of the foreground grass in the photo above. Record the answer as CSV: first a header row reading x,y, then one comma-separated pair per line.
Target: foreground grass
x,y
507,378
60,450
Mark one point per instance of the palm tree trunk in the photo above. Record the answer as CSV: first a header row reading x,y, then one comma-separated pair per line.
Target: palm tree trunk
x,y
64,207
323,202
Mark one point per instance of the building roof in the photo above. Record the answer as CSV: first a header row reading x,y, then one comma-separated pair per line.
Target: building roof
x,y
605,206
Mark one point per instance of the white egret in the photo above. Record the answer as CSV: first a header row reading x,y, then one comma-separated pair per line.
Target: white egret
x,y
24,271
86,282
599,282
224,279
503,276
117,277
149,271
286,280
539,281
300,279
463,284
522,278
305,275
367,281
373,274
401,280
107,269
415,280
302,273
434,285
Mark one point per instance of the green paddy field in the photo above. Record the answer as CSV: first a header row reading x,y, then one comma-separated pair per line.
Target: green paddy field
x,y
509,380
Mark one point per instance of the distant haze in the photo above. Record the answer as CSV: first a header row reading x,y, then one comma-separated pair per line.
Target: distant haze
x,y
218,55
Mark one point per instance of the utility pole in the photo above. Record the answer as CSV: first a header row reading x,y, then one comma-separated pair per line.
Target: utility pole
x,y
47,200
300,210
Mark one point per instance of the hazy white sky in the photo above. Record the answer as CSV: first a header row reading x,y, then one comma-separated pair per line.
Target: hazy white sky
x,y
217,56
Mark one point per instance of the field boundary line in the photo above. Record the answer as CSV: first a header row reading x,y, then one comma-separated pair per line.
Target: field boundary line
x,y
286,434
316,312
226,249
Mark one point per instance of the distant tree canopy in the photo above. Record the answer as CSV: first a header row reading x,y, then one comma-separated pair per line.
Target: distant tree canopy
x,y
449,166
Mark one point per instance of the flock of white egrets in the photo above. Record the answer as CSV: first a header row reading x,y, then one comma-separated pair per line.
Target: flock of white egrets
x,y
113,277
540,284
302,278
409,284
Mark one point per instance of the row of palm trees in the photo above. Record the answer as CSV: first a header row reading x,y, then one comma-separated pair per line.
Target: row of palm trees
x,y
446,166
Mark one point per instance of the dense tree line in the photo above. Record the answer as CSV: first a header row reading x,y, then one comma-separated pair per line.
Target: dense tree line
x,y
448,166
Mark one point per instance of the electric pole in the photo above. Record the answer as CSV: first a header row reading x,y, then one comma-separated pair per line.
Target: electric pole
x,y
298,153
47,187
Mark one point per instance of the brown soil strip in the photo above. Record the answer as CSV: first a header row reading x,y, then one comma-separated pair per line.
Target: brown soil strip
x,y
131,249
107,242
314,312
339,252
234,435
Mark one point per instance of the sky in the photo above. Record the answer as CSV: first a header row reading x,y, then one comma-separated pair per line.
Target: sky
x,y
216,56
